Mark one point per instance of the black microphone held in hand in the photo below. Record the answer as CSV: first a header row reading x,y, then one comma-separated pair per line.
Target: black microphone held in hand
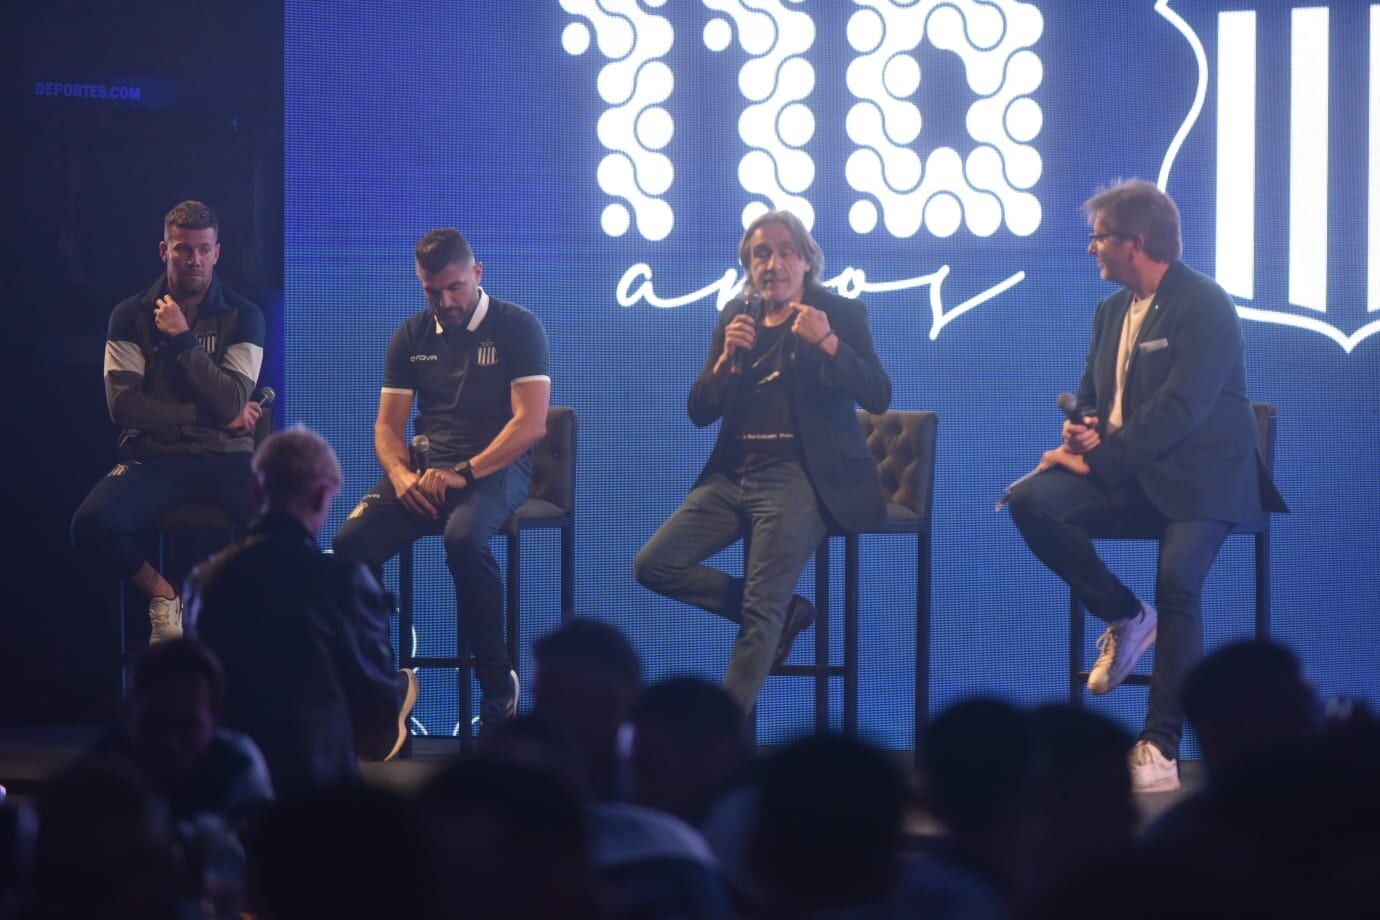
x,y
752,306
1068,404
421,453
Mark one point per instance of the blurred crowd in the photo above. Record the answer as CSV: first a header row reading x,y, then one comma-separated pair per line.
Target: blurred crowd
x,y
613,799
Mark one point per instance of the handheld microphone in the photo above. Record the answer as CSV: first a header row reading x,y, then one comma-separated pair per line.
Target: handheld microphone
x,y
421,453
752,306
265,396
1068,404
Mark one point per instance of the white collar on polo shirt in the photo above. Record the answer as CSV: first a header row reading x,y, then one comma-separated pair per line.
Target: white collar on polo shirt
x,y
477,317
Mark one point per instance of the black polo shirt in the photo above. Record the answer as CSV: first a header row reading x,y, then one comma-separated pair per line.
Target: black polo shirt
x,y
461,377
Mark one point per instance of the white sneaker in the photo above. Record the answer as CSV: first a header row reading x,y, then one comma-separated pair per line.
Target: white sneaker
x,y
1121,646
1151,771
407,679
165,616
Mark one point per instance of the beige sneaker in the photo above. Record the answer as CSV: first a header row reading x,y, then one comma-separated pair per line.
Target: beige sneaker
x,y
165,618
1151,771
407,682
1121,647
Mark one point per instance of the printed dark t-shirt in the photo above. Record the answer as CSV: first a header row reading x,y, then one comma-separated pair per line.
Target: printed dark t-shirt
x,y
764,430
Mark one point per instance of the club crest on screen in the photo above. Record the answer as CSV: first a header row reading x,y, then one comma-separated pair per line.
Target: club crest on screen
x,y
1280,257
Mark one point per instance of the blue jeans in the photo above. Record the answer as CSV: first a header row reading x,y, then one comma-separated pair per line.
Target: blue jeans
x,y
775,509
1054,513
380,527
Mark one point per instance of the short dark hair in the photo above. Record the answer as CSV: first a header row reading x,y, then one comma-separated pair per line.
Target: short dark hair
x,y
828,824
177,659
1245,674
596,645
698,711
440,248
980,763
191,215
1134,207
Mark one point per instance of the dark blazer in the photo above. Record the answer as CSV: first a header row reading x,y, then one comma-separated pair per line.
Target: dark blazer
x,y
825,393
303,636
1188,433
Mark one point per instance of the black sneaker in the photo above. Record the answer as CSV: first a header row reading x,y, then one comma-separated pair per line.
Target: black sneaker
x,y
407,682
501,705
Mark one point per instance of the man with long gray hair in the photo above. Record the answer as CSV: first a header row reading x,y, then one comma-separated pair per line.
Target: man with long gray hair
x,y
790,457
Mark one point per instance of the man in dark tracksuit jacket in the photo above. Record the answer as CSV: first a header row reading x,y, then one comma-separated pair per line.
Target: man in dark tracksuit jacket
x,y
790,457
302,634
181,360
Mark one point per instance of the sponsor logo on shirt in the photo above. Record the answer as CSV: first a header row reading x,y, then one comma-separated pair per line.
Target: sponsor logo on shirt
x,y
416,358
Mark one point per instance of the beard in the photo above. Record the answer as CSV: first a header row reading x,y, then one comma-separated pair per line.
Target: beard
x,y
185,284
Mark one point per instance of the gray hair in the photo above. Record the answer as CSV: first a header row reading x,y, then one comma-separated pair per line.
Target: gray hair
x,y
291,463
803,241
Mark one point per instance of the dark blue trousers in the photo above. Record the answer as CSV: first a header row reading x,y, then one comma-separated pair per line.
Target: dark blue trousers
x,y
134,494
1054,513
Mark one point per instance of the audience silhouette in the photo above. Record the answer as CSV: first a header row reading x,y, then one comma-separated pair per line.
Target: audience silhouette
x,y
611,800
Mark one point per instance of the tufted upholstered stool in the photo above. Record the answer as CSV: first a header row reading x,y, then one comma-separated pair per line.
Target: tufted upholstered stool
x,y
903,444
1078,673
550,505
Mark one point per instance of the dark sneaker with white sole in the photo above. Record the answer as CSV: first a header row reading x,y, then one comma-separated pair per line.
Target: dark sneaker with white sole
x,y
500,705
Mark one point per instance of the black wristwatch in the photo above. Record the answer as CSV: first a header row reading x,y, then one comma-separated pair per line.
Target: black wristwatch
x,y
463,468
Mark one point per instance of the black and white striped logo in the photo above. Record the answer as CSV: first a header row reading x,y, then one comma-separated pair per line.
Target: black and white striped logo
x,y
1279,268
487,355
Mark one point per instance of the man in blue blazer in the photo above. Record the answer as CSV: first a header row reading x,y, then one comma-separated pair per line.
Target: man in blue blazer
x,y
1168,441
790,457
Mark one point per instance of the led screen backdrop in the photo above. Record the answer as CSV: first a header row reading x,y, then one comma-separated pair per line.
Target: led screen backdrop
x,y
603,157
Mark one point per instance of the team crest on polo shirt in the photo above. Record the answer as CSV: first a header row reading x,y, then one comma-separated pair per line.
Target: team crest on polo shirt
x,y
487,354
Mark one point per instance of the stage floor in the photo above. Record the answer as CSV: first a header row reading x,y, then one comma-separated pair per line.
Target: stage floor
x,y
29,755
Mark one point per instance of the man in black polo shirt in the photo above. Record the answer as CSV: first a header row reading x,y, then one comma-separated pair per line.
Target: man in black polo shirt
x,y
478,368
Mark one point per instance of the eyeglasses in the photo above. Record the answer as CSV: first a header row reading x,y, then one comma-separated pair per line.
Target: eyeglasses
x,y
1095,238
